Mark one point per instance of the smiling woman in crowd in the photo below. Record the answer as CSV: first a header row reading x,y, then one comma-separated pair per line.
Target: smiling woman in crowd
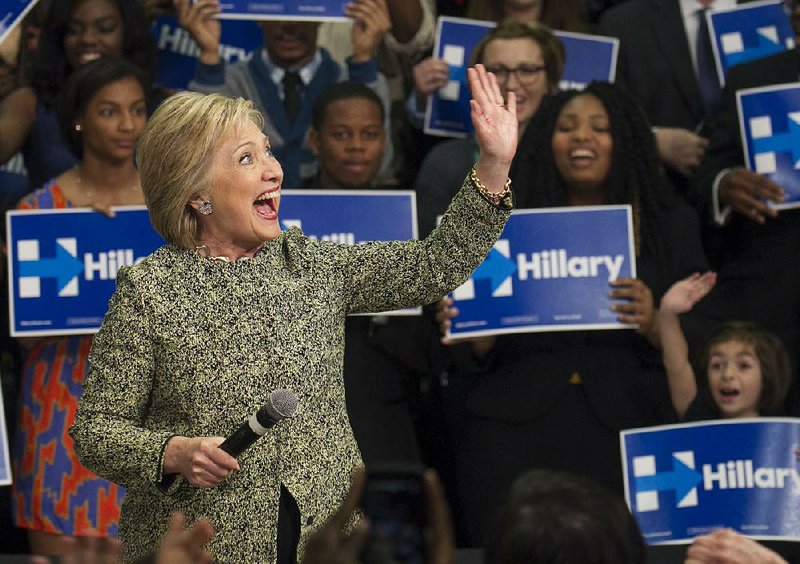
x,y
558,400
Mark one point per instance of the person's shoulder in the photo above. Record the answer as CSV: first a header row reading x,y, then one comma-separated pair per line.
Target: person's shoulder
x,y
49,196
165,262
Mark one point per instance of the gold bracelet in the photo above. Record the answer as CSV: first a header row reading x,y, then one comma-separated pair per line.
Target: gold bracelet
x,y
494,198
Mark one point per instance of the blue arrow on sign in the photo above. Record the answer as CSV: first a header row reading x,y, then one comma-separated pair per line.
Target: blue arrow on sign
x,y
764,48
496,268
681,479
64,267
788,142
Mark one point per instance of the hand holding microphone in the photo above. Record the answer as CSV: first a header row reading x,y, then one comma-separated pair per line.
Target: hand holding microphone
x,y
281,404
206,461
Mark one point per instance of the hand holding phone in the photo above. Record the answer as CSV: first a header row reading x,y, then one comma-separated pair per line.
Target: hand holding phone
x,y
394,502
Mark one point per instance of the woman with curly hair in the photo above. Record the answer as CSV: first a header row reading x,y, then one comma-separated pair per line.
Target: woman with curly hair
x,y
558,400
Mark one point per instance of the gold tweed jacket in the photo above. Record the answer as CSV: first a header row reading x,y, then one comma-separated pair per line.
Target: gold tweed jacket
x,y
191,347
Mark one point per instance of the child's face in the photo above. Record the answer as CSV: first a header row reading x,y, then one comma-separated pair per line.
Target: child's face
x,y
734,378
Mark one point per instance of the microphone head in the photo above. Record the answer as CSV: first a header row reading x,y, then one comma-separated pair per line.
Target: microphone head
x,y
281,404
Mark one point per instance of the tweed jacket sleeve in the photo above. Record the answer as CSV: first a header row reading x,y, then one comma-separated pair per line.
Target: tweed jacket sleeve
x,y
134,459
385,276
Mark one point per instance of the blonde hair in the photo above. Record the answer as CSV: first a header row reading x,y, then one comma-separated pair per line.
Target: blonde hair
x,y
175,154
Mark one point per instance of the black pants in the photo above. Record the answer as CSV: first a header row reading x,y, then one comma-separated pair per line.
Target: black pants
x,y
288,528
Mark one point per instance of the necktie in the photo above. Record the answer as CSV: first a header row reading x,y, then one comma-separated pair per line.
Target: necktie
x,y
291,94
706,68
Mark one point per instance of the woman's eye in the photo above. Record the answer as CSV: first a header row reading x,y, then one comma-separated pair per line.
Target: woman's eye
x,y
247,158
268,153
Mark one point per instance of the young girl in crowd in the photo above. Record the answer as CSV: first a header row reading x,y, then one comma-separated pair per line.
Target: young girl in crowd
x,y
102,114
747,368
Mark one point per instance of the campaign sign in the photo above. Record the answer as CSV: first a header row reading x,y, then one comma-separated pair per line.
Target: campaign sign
x,y
360,216
549,271
5,462
11,13
275,10
686,480
747,32
588,58
769,122
178,52
63,265
447,111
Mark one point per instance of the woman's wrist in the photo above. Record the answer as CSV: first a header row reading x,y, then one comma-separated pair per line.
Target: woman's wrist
x,y
172,455
492,173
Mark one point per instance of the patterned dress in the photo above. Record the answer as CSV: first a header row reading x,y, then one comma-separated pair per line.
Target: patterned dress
x,y
52,491
191,347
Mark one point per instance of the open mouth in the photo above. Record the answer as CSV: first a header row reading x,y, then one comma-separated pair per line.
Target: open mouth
x,y
89,56
266,205
582,154
729,393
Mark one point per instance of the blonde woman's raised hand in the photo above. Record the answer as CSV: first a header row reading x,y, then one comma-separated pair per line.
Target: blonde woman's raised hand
x,y
493,116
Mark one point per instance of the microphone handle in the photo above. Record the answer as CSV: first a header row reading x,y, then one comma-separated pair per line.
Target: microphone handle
x,y
244,437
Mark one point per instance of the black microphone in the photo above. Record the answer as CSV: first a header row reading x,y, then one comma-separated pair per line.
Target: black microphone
x,y
281,404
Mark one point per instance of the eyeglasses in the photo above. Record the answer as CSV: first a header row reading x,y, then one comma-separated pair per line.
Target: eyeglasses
x,y
525,74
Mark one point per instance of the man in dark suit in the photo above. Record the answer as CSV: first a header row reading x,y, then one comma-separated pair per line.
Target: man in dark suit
x,y
756,246
659,64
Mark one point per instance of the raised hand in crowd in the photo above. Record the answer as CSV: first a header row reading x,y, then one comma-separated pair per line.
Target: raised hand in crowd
x,y
330,545
680,298
181,546
680,148
726,546
371,24
684,294
749,194
178,546
197,17
430,75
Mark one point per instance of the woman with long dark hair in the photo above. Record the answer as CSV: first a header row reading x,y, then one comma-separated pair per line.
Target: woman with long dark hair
x,y
558,400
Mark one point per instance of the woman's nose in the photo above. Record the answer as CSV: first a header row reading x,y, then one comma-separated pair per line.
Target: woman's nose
x,y
88,36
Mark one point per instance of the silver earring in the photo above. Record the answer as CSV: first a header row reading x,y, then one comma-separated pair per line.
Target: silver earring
x,y
77,127
205,207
